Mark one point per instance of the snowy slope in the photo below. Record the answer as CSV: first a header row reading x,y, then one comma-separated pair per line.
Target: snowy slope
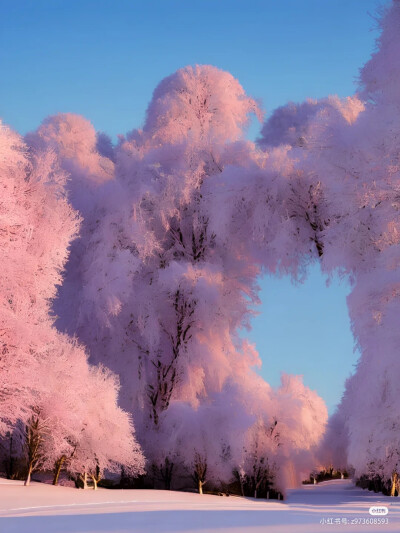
x,y
46,509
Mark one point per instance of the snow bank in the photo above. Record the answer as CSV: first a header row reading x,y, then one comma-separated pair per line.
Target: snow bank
x,y
43,508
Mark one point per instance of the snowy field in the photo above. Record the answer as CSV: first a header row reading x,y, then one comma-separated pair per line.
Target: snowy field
x,y
46,509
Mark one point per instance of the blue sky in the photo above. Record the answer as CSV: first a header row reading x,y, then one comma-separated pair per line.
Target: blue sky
x,y
103,59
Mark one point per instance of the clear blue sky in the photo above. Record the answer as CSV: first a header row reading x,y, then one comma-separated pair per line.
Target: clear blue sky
x,y
103,59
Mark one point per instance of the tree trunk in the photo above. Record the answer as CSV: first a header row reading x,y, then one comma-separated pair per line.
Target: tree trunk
x,y
395,478
166,470
83,478
10,469
28,476
257,486
95,481
57,469
201,483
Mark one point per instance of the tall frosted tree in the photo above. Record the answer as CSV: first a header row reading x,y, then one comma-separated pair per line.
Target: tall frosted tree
x,y
169,259
37,224
369,171
151,272
348,150
32,201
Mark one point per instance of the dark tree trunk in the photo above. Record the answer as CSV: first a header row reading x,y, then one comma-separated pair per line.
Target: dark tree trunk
x,y
57,469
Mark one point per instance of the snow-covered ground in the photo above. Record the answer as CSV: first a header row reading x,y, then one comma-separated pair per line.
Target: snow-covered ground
x,y
46,509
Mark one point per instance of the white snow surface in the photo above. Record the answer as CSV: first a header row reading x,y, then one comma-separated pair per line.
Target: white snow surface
x,y
43,508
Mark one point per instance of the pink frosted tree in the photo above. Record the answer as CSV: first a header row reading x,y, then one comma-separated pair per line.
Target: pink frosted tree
x,y
302,417
284,427
33,258
332,450
206,439
171,249
374,302
150,277
75,423
106,440
348,152
36,359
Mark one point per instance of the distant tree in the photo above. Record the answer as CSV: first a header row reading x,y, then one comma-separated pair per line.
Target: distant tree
x,y
258,469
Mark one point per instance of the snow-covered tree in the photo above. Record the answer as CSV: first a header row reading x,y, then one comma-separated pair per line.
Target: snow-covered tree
x,y
150,273
106,440
32,201
37,224
348,150
176,233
